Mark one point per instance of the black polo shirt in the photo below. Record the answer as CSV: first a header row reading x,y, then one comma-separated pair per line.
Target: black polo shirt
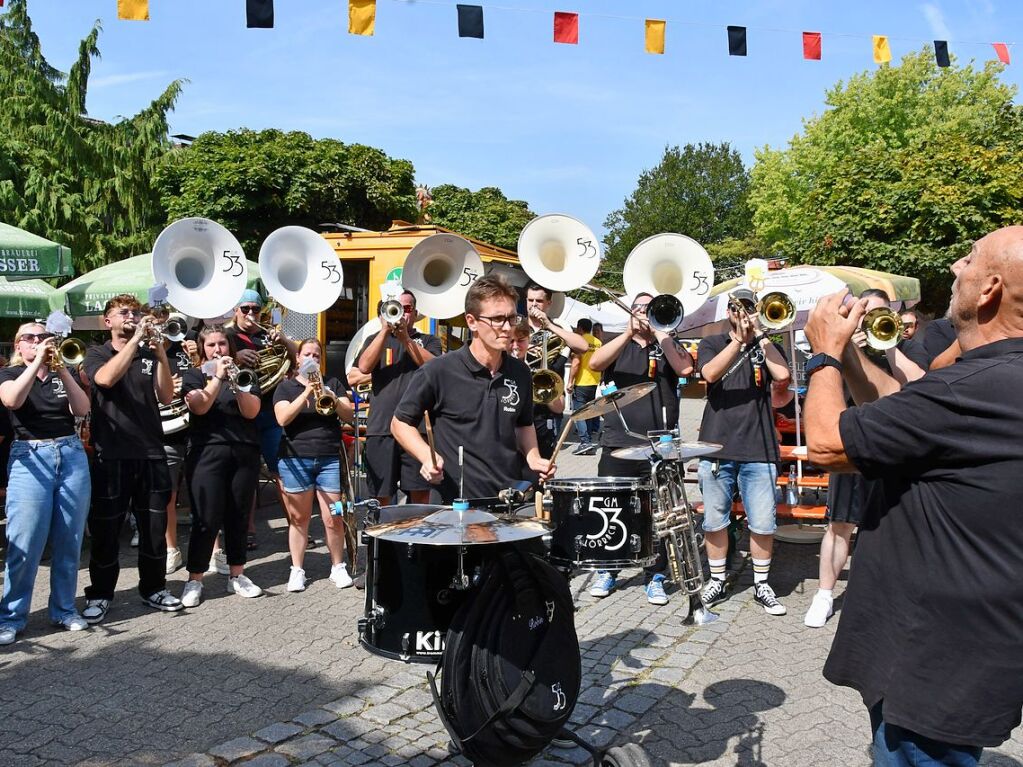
x,y
470,408
309,434
46,412
738,411
125,421
391,377
640,364
933,617
223,423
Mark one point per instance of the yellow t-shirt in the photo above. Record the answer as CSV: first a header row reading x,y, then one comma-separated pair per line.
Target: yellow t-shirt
x,y
585,376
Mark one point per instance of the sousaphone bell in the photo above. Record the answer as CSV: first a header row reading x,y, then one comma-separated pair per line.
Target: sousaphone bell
x,y
439,271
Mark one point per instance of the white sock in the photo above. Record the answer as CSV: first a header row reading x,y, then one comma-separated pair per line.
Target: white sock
x,y
718,567
825,593
761,568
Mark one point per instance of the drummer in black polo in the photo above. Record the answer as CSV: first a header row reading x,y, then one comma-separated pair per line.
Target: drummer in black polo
x,y
639,355
479,398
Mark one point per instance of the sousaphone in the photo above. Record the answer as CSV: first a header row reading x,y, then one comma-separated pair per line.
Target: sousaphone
x,y
439,271
670,264
202,265
559,252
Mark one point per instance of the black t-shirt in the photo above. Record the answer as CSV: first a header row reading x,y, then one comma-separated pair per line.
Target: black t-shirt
x,y
179,362
640,364
310,434
938,336
46,412
391,377
223,423
738,410
470,408
125,421
933,617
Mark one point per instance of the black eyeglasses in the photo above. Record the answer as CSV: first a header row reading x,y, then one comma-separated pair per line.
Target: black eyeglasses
x,y
35,338
500,320
128,313
249,309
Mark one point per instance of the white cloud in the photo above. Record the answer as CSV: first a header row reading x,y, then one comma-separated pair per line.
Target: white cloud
x,y
109,81
936,19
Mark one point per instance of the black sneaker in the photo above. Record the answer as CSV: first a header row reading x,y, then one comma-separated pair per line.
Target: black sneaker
x,y
580,448
163,601
764,595
714,591
589,449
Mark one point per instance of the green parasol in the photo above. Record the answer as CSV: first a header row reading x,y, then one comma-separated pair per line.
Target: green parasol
x,y
28,299
24,255
87,295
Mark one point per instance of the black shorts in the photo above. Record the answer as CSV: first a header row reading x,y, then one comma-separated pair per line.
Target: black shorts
x,y
387,465
846,497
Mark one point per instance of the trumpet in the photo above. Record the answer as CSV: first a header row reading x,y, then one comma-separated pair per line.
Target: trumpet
x,y
240,379
175,327
70,352
324,400
392,312
776,310
883,328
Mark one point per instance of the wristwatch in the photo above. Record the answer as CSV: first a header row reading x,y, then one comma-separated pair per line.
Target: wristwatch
x,y
818,361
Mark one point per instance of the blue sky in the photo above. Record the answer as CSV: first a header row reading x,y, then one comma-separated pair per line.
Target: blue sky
x,y
566,128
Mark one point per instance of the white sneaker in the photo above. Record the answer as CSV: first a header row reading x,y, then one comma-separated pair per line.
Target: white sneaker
x,y
218,563
296,581
174,560
339,574
7,635
73,623
135,539
821,608
191,596
243,587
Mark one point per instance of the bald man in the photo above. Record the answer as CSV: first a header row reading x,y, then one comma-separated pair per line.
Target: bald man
x,y
931,631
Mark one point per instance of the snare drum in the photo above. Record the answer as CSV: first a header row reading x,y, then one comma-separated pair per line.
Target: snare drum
x,y
603,523
411,595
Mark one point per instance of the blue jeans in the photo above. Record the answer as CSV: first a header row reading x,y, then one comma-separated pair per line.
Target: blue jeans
x,y
302,473
756,483
897,747
47,498
585,429
269,438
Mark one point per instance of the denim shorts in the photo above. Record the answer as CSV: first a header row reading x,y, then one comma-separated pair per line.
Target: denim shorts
x,y
755,481
299,474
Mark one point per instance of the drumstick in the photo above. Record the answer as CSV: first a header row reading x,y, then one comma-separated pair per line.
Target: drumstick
x,y
429,438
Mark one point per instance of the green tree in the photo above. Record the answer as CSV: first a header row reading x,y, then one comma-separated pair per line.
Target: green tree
x,y
82,182
486,215
698,190
253,182
906,166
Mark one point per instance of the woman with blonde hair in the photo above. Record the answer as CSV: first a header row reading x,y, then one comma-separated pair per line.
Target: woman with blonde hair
x,y
309,463
48,487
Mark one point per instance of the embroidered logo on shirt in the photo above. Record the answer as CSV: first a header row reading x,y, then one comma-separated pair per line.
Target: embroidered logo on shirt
x,y
512,397
184,361
147,367
58,388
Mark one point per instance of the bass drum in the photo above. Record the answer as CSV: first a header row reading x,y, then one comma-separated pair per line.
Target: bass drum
x,y
410,592
603,523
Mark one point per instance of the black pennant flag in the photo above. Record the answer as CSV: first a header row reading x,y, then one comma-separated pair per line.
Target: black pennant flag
x,y
736,41
259,14
470,21
941,52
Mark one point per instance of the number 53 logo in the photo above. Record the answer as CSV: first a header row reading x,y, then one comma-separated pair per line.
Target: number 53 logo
x,y
609,516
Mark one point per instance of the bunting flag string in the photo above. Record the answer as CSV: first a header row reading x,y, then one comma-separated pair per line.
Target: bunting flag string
x,y
655,35
362,21
133,10
259,14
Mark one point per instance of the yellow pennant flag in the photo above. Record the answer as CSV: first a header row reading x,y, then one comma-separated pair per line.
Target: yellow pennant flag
x,y
133,10
362,17
655,36
882,52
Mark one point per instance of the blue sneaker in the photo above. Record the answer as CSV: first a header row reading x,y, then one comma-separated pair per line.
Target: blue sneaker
x,y
603,585
655,591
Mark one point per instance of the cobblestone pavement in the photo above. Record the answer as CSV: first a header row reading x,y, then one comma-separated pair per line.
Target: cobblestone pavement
x,y
281,680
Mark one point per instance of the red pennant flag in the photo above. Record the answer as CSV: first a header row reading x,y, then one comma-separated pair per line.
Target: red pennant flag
x,y
1003,52
566,27
812,46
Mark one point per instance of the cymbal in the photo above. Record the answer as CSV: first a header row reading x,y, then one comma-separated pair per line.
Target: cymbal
x,y
606,404
448,527
679,451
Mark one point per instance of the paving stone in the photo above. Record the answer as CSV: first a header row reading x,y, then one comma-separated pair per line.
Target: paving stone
x,y
315,717
307,747
192,760
269,760
384,713
238,748
278,732
346,706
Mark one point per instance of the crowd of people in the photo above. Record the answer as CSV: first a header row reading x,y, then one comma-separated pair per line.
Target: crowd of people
x,y
920,441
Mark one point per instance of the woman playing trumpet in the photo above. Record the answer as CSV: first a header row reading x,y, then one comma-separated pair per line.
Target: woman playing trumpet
x,y
222,466
49,486
309,463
